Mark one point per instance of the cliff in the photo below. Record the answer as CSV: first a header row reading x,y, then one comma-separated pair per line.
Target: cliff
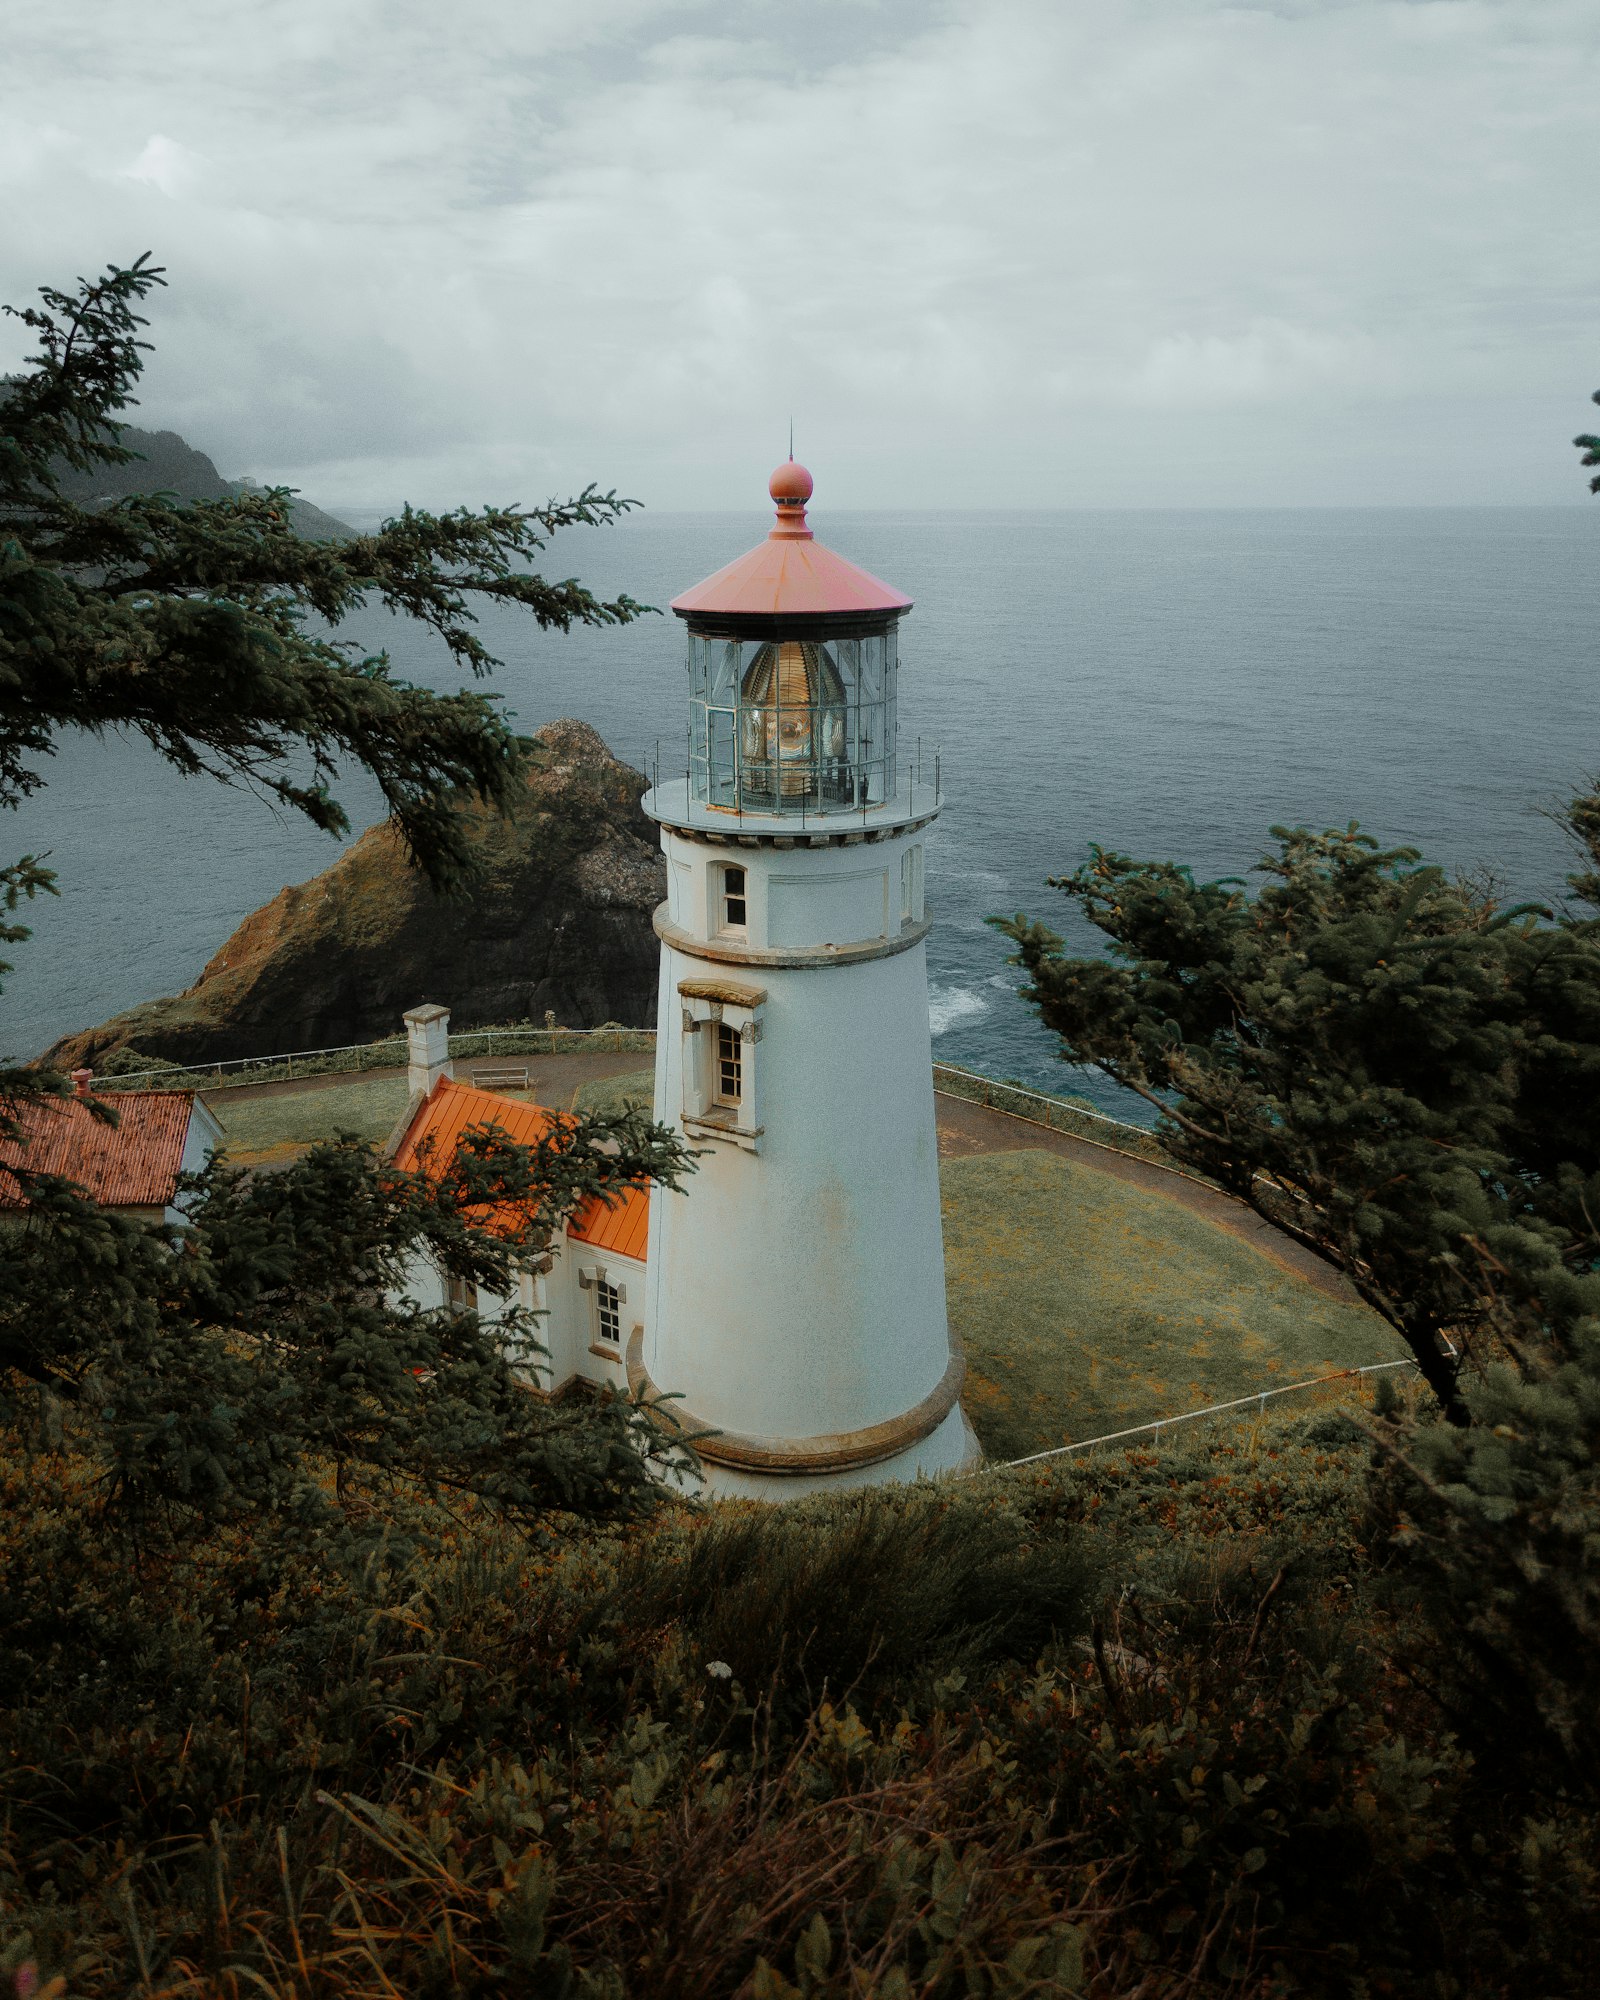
x,y
560,920
166,464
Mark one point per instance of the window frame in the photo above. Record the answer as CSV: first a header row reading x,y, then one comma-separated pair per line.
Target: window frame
x,y
715,1011
911,891
727,1065
727,896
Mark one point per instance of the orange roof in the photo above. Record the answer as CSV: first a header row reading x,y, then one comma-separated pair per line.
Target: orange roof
x,y
790,574
455,1108
132,1164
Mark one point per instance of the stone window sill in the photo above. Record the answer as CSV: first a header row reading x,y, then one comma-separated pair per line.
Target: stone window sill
x,y
715,1125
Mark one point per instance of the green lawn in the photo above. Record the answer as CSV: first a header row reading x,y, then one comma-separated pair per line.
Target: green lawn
x,y
272,1128
1087,1305
258,1127
635,1091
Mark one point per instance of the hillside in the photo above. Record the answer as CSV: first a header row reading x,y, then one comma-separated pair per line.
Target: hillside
x,y
167,464
559,920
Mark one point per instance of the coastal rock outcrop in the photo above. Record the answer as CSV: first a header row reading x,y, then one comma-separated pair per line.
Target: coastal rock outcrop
x,y
167,463
560,920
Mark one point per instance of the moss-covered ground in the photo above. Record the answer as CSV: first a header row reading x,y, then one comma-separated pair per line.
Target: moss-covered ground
x,y
1086,1305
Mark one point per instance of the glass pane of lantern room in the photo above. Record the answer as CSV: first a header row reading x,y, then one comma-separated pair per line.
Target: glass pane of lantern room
x,y
870,654
724,660
723,787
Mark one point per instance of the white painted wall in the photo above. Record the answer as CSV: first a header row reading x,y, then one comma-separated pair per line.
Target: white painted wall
x,y
566,1329
203,1137
796,895
798,1289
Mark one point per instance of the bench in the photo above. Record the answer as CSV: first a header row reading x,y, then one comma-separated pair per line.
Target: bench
x,y
507,1077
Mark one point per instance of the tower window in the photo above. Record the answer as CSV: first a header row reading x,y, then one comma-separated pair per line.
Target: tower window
x,y
730,1064
721,1052
734,906
911,885
608,1312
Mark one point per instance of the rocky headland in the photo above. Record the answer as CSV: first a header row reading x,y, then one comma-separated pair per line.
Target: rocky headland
x,y
559,920
167,463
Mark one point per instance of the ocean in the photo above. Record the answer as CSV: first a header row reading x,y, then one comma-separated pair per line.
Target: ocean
x,y
1167,684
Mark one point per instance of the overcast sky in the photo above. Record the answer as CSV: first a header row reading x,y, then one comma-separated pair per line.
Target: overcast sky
x,y
988,253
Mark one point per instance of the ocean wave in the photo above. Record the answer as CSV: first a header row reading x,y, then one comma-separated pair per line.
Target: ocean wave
x,y
949,1004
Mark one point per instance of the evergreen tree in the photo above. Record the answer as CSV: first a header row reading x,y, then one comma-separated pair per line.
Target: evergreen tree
x,y
198,625
225,1365
1589,445
1405,1078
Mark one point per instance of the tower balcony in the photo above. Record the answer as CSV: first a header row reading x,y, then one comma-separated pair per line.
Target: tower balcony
x,y
800,819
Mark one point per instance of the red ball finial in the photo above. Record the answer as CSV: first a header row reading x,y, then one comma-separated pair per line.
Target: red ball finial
x,y
790,485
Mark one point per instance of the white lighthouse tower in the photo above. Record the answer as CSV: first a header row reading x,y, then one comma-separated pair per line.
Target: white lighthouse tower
x,y
796,1287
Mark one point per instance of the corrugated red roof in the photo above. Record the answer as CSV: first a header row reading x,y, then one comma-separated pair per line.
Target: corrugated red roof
x,y
790,574
132,1164
454,1109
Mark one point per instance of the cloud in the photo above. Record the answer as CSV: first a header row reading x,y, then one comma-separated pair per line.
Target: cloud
x,y
1150,252
1265,361
166,165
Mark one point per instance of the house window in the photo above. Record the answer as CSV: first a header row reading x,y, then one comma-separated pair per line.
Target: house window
x,y
734,915
460,1295
608,1312
730,1064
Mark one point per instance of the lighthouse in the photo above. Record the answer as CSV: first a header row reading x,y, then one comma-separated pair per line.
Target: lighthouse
x,y
795,1287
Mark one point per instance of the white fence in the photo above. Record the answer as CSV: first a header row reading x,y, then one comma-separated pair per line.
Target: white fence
x,y
390,1053
1260,1398
1059,1114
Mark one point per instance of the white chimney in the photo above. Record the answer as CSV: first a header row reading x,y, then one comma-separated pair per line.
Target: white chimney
x,y
428,1048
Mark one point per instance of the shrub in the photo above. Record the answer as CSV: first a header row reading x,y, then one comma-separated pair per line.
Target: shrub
x,y
875,1592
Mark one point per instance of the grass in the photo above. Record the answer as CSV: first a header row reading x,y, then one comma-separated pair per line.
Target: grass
x,y
266,1129
633,1092
1087,1305
262,1129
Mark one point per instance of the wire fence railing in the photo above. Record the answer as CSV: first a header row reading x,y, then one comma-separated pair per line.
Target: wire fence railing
x,y
1068,1115
389,1053
1061,1114
1258,1399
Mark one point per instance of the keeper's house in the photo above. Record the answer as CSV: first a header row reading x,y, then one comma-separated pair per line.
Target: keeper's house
x,y
589,1283
131,1168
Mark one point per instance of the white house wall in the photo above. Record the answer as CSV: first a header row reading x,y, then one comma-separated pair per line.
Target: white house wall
x,y
203,1137
567,1328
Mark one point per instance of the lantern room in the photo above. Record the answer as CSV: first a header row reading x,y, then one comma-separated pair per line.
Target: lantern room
x,y
792,666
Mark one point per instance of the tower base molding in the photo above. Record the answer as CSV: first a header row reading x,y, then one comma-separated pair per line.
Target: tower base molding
x,y
778,1458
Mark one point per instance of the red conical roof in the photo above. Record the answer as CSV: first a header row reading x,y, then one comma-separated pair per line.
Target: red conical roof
x,y
790,575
